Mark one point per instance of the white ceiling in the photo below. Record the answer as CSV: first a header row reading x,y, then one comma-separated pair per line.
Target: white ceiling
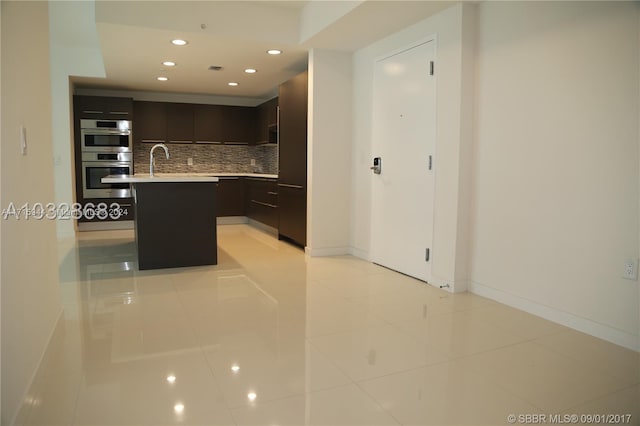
x,y
134,38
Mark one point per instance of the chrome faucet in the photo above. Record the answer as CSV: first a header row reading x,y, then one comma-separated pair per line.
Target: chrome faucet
x,y
152,160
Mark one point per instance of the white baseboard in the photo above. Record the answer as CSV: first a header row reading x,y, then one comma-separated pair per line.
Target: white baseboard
x,y
575,322
326,251
359,253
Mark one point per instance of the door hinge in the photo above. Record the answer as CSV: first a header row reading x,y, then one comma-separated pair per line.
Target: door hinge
x,y
427,254
430,162
431,68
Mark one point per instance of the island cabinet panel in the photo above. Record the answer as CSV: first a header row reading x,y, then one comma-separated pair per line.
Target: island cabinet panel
x,y
262,200
207,124
231,197
175,224
150,123
180,123
239,125
102,107
292,158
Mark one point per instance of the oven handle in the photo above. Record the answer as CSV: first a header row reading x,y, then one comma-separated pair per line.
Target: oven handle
x,y
100,132
107,164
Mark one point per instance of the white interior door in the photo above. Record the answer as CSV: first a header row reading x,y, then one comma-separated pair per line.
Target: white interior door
x,y
404,133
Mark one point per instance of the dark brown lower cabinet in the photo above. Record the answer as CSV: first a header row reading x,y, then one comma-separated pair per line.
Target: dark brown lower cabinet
x,y
262,201
231,197
292,208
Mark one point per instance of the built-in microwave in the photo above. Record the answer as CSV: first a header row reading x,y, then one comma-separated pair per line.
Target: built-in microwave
x,y
105,135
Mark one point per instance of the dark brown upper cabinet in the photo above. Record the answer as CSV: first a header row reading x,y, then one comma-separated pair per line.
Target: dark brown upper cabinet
x,y
186,123
207,124
180,123
102,107
293,131
267,122
150,123
239,124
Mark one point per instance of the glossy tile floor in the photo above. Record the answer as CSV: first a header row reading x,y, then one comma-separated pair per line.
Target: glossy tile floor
x,y
272,337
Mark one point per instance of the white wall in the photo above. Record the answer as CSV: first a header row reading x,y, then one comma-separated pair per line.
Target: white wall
x,y
329,153
555,193
318,15
453,140
75,51
30,295
1,316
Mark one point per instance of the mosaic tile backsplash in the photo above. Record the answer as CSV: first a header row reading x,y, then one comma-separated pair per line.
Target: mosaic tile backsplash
x,y
208,158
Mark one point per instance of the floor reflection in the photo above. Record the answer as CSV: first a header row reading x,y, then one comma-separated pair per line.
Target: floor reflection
x,y
270,336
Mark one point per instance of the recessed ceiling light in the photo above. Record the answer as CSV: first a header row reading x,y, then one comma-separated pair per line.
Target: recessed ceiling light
x,y
233,83
169,64
163,78
274,51
179,42
250,71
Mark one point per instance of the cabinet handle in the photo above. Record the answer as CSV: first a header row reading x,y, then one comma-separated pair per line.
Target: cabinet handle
x,y
272,193
180,141
260,179
210,142
153,140
92,112
119,112
264,204
288,185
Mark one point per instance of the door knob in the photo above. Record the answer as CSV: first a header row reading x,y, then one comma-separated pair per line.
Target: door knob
x,y
377,165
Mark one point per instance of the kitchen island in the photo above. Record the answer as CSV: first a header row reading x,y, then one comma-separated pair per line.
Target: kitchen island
x,y
175,219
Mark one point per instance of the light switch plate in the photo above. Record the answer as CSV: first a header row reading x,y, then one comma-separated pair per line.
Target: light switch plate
x,y
23,140
630,271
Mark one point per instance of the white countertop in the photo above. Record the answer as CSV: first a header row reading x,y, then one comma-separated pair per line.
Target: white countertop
x,y
157,178
217,174
179,177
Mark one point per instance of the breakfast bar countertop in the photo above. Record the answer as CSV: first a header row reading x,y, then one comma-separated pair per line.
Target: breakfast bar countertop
x,y
179,177
157,178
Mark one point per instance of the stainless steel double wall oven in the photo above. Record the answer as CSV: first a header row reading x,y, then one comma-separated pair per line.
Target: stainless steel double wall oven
x,y
107,149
